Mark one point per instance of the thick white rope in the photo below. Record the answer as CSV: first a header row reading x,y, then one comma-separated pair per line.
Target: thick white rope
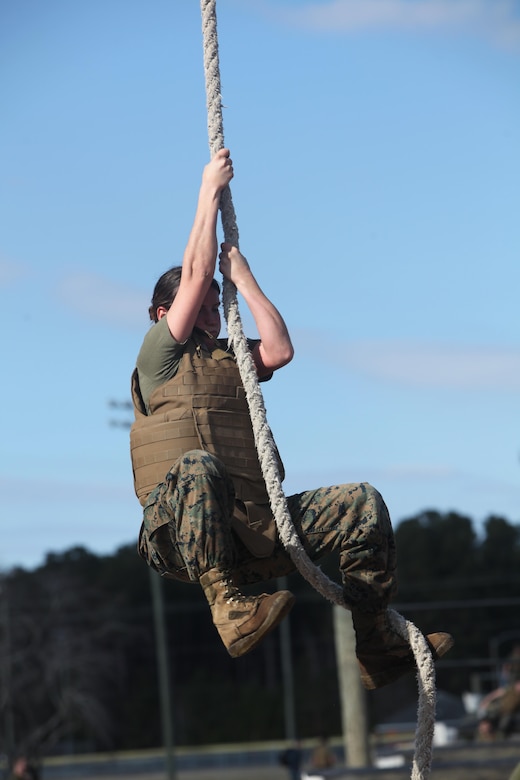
x,y
263,436
422,759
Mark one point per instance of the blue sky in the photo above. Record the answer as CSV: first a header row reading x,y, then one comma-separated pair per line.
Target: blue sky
x,y
375,146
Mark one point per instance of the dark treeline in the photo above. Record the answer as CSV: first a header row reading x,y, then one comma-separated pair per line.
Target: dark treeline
x,y
78,658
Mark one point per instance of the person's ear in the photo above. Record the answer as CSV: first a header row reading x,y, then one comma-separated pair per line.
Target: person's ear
x,y
161,312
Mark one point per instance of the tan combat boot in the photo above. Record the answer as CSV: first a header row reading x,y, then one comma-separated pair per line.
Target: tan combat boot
x,y
242,621
383,654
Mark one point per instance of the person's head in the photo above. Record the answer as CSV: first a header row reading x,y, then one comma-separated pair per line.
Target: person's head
x,y
20,766
24,770
165,291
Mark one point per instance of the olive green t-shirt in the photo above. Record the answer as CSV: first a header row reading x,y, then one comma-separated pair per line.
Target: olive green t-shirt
x,y
158,359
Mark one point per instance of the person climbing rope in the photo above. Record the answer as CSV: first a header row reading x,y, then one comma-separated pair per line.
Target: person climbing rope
x,y
206,515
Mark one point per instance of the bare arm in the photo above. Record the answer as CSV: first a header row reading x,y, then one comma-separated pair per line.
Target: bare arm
x,y
198,265
275,348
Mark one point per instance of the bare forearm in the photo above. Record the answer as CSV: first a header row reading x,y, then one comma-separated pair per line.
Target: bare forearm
x,y
201,249
200,255
276,346
275,349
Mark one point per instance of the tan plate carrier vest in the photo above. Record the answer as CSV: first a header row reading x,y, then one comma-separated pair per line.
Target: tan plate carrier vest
x,y
204,407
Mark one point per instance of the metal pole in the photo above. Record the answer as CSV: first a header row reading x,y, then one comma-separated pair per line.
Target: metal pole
x,y
163,675
352,693
5,670
287,672
163,672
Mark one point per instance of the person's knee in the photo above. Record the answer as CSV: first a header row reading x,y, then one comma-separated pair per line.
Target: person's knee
x,y
376,504
372,494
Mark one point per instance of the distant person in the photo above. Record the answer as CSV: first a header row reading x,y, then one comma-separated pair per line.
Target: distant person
x,y
322,756
500,709
500,712
292,758
511,667
207,518
23,769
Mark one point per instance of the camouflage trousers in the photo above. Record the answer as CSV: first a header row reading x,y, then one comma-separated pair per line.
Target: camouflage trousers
x,y
187,531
